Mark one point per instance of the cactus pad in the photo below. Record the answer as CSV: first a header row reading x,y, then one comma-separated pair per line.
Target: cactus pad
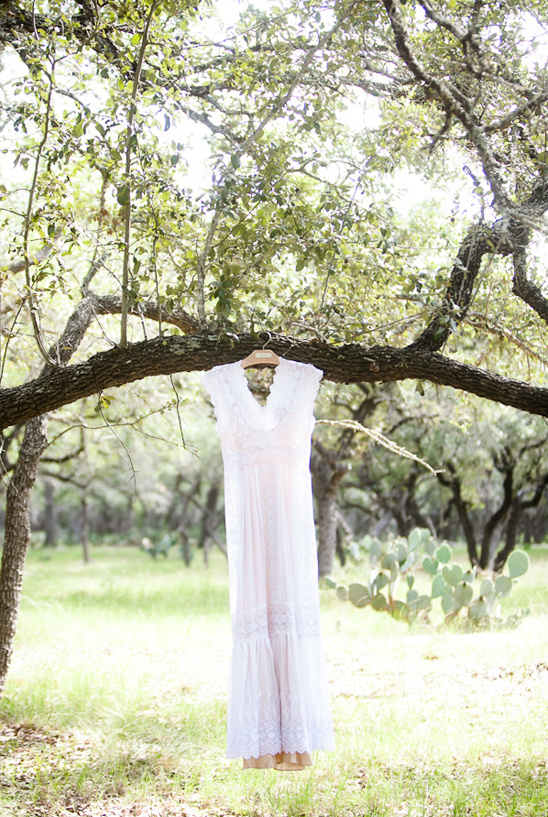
x,y
440,587
453,574
342,592
462,594
443,554
430,565
518,564
486,587
359,595
503,585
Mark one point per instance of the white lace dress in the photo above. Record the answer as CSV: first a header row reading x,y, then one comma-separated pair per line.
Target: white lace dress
x,y
278,700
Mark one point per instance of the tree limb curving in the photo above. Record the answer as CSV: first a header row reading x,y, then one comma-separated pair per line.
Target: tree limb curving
x,y
351,363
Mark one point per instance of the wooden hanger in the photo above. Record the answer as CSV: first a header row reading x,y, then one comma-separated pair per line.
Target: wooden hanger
x,y
260,357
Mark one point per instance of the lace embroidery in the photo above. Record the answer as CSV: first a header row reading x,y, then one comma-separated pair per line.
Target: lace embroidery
x,y
277,619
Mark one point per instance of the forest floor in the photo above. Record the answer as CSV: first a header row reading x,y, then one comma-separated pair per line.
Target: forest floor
x,y
116,704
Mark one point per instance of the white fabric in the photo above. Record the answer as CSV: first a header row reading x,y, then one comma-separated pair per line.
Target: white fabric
x,y
278,698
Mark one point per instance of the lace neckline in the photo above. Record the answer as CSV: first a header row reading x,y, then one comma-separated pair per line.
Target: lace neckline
x,y
274,386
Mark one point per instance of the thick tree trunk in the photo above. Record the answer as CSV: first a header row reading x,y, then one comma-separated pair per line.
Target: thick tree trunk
x,y
488,546
519,505
186,553
453,483
327,479
50,521
17,536
208,525
84,528
326,523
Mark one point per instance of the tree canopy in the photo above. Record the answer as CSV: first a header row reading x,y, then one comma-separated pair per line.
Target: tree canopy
x,y
237,176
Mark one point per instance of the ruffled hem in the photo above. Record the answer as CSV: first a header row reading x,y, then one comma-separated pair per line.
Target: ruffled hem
x,y
282,761
278,701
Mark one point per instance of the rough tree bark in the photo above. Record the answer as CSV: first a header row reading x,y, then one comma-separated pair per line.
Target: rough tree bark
x,y
328,470
50,520
209,520
328,473
453,482
350,363
488,542
519,505
17,535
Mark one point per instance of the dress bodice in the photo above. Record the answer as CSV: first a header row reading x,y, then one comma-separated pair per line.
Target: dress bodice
x,y
250,433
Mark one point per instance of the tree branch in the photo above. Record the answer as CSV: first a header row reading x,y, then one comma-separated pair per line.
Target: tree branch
x,y
508,236
525,289
452,99
351,363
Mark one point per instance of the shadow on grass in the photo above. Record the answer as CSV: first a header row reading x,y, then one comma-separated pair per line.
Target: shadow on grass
x,y
46,773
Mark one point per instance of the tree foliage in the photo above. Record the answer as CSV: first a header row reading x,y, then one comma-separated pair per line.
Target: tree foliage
x,y
289,224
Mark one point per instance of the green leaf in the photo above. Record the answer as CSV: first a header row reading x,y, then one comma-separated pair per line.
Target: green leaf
x,y
123,195
235,161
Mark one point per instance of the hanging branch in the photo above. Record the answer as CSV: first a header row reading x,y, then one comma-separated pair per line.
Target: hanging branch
x,y
378,438
127,186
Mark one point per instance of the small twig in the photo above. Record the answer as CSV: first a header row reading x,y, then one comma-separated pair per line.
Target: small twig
x,y
178,409
122,443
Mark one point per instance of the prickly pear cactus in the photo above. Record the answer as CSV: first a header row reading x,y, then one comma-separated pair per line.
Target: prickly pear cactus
x,y
464,604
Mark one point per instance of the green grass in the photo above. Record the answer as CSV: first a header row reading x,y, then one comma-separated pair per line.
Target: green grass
x,y
116,703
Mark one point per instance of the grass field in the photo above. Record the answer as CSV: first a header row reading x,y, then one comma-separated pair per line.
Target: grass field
x,y
116,703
